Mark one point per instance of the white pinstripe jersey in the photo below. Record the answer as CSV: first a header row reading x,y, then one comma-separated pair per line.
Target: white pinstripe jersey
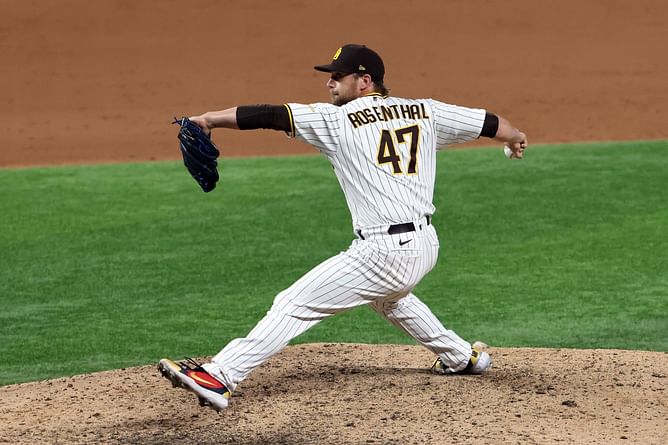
x,y
383,150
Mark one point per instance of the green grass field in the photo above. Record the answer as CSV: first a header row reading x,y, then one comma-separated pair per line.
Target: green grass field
x,y
112,266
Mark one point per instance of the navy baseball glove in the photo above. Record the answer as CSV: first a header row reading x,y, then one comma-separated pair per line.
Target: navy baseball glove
x,y
200,155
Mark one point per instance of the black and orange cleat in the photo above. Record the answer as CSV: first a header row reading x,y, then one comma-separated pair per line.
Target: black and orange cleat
x,y
191,376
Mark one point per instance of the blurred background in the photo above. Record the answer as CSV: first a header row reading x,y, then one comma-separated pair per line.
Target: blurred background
x,y
87,82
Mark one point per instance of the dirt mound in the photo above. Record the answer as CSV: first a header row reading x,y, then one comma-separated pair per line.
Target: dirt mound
x,y
361,394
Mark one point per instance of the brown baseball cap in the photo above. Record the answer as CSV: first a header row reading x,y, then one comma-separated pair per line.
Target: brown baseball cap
x,y
354,58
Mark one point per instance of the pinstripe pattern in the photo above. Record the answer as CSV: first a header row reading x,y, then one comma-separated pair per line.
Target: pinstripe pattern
x,y
378,269
375,195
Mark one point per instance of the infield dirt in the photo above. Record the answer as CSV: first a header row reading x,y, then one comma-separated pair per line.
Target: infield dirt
x,y
88,82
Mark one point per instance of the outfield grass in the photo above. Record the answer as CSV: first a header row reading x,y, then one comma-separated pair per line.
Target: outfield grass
x,y
117,265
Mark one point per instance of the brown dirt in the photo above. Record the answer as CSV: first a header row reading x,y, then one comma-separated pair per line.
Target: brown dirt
x,y
100,81
362,394
88,82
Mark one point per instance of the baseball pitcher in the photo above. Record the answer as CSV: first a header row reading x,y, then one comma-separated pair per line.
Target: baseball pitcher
x,y
383,150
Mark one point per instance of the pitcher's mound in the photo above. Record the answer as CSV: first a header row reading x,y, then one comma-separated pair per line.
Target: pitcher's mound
x,y
361,394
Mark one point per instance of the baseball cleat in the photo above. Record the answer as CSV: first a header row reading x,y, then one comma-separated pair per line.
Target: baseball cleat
x,y
191,376
479,362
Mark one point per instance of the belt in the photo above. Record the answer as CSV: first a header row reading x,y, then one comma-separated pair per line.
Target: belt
x,y
400,228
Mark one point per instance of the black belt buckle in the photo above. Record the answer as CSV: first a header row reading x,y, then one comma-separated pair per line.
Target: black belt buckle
x,y
401,228
405,227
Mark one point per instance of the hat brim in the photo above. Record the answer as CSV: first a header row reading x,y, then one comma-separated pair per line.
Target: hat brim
x,y
334,67
325,68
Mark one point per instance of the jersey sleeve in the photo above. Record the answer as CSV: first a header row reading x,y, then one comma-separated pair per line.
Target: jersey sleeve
x,y
316,124
455,124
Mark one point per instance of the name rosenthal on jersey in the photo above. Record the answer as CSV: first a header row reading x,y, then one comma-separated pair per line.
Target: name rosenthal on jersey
x,y
384,113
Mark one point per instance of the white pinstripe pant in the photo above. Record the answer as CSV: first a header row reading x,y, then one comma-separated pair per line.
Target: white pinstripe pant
x,y
377,271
